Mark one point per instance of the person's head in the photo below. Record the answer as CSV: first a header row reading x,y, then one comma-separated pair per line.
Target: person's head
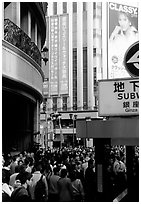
x,y
56,170
73,175
38,166
7,162
63,173
78,165
24,178
91,163
124,21
26,161
20,162
5,176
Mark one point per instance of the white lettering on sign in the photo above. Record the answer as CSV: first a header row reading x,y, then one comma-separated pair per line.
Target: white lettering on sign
x,y
130,99
123,8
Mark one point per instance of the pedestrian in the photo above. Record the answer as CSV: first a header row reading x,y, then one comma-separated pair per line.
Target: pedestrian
x,y
18,169
36,177
78,190
21,194
6,188
65,187
53,185
90,182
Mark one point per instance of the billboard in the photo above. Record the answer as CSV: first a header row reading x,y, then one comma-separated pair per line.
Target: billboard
x,y
119,97
122,33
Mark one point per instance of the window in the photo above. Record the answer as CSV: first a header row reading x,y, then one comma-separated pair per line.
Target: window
x,y
55,8
74,7
54,103
84,6
64,103
75,78
24,18
64,7
85,86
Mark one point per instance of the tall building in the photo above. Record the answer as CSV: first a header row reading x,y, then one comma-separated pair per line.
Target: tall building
x,y
78,42
74,30
23,36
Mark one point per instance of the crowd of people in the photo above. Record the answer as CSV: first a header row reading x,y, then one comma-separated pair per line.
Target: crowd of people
x,y
65,175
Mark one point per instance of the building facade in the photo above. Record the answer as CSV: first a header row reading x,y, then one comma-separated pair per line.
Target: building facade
x,y
81,37
78,42
23,36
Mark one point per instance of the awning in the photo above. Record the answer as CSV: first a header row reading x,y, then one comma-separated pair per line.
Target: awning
x,y
120,130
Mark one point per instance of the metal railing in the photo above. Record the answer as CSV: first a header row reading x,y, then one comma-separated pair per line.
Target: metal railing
x,y
14,35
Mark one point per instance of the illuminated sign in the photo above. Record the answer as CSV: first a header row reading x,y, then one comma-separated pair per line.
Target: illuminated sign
x,y
119,97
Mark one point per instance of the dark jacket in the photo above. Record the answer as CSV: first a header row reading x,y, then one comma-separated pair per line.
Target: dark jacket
x,y
20,194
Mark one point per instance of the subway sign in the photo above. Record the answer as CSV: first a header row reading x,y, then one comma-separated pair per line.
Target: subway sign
x,y
131,60
118,97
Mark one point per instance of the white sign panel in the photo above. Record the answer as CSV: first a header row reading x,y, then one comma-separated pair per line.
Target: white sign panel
x,y
119,97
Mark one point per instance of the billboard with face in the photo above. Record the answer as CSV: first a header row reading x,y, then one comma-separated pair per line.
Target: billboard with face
x,y
122,33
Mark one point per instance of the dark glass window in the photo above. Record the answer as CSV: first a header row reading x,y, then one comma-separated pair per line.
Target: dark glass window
x,y
64,103
54,103
85,87
55,8
84,6
74,7
75,79
64,7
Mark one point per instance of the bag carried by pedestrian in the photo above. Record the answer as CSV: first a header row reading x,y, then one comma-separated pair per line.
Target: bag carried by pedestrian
x,y
39,192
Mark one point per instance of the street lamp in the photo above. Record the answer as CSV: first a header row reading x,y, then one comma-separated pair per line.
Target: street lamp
x,y
57,116
44,53
73,118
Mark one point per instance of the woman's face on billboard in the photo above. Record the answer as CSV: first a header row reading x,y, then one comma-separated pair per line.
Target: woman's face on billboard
x,y
123,22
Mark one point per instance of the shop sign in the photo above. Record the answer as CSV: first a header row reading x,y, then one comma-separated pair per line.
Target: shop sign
x,y
118,97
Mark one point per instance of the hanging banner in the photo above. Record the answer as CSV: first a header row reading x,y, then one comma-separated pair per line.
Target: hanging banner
x,y
118,97
54,54
64,56
122,33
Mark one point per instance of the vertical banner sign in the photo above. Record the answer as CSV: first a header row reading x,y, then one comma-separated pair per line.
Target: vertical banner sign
x,y
54,54
122,33
64,58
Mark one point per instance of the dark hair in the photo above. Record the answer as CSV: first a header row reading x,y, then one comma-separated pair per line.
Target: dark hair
x,y
5,176
23,177
56,170
73,175
26,161
90,162
7,161
20,161
63,173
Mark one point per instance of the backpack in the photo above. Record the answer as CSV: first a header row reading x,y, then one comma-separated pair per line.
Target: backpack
x,y
39,192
